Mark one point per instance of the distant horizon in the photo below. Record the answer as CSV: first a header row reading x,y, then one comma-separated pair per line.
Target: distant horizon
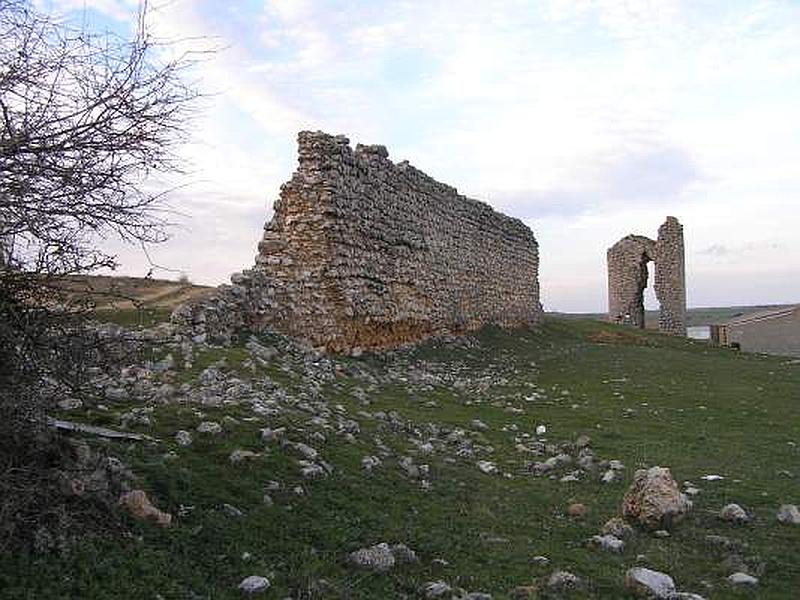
x,y
649,308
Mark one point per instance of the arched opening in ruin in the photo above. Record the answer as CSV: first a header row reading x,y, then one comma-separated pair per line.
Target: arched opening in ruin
x,y
628,276
634,286
651,303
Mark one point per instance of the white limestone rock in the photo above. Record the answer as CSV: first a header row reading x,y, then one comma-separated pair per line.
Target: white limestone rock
x,y
254,584
378,558
209,427
607,542
742,580
789,514
646,583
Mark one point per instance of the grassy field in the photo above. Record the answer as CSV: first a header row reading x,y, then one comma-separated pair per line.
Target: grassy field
x,y
643,398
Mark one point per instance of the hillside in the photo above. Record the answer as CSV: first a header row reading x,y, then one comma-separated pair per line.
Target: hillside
x,y
132,301
315,457
125,299
695,317
130,292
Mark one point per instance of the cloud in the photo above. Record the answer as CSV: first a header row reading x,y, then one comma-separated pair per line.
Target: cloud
x,y
657,177
738,251
590,119
715,250
119,10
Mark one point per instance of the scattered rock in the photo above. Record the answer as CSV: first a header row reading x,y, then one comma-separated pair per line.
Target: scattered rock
x,y
607,542
239,456
654,499
789,514
487,466
646,583
183,438
403,554
437,589
139,506
618,528
562,459
733,513
232,511
306,450
69,404
270,435
229,423
209,427
661,533
742,580
542,561
254,584
407,464
562,583
370,462
378,558
577,510
311,470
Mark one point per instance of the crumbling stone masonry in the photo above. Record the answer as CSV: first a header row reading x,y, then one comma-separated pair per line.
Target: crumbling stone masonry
x,y
627,278
362,253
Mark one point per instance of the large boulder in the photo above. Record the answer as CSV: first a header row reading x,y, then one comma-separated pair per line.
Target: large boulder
x,y
646,583
654,500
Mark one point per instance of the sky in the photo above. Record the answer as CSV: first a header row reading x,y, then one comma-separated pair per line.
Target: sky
x,y
586,119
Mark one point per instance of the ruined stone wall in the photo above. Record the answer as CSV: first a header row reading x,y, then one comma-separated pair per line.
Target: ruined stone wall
x,y
670,278
627,278
365,253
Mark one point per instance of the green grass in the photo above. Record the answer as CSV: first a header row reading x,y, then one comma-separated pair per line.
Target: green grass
x,y
691,407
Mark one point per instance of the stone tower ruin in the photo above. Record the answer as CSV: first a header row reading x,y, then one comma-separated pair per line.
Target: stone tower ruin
x,y
627,278
363,253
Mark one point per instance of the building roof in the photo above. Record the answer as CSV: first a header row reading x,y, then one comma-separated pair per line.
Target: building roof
x,y
763,315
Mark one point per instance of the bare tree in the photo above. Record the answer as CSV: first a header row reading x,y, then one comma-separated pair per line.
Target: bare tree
x,y
88,124
87,120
